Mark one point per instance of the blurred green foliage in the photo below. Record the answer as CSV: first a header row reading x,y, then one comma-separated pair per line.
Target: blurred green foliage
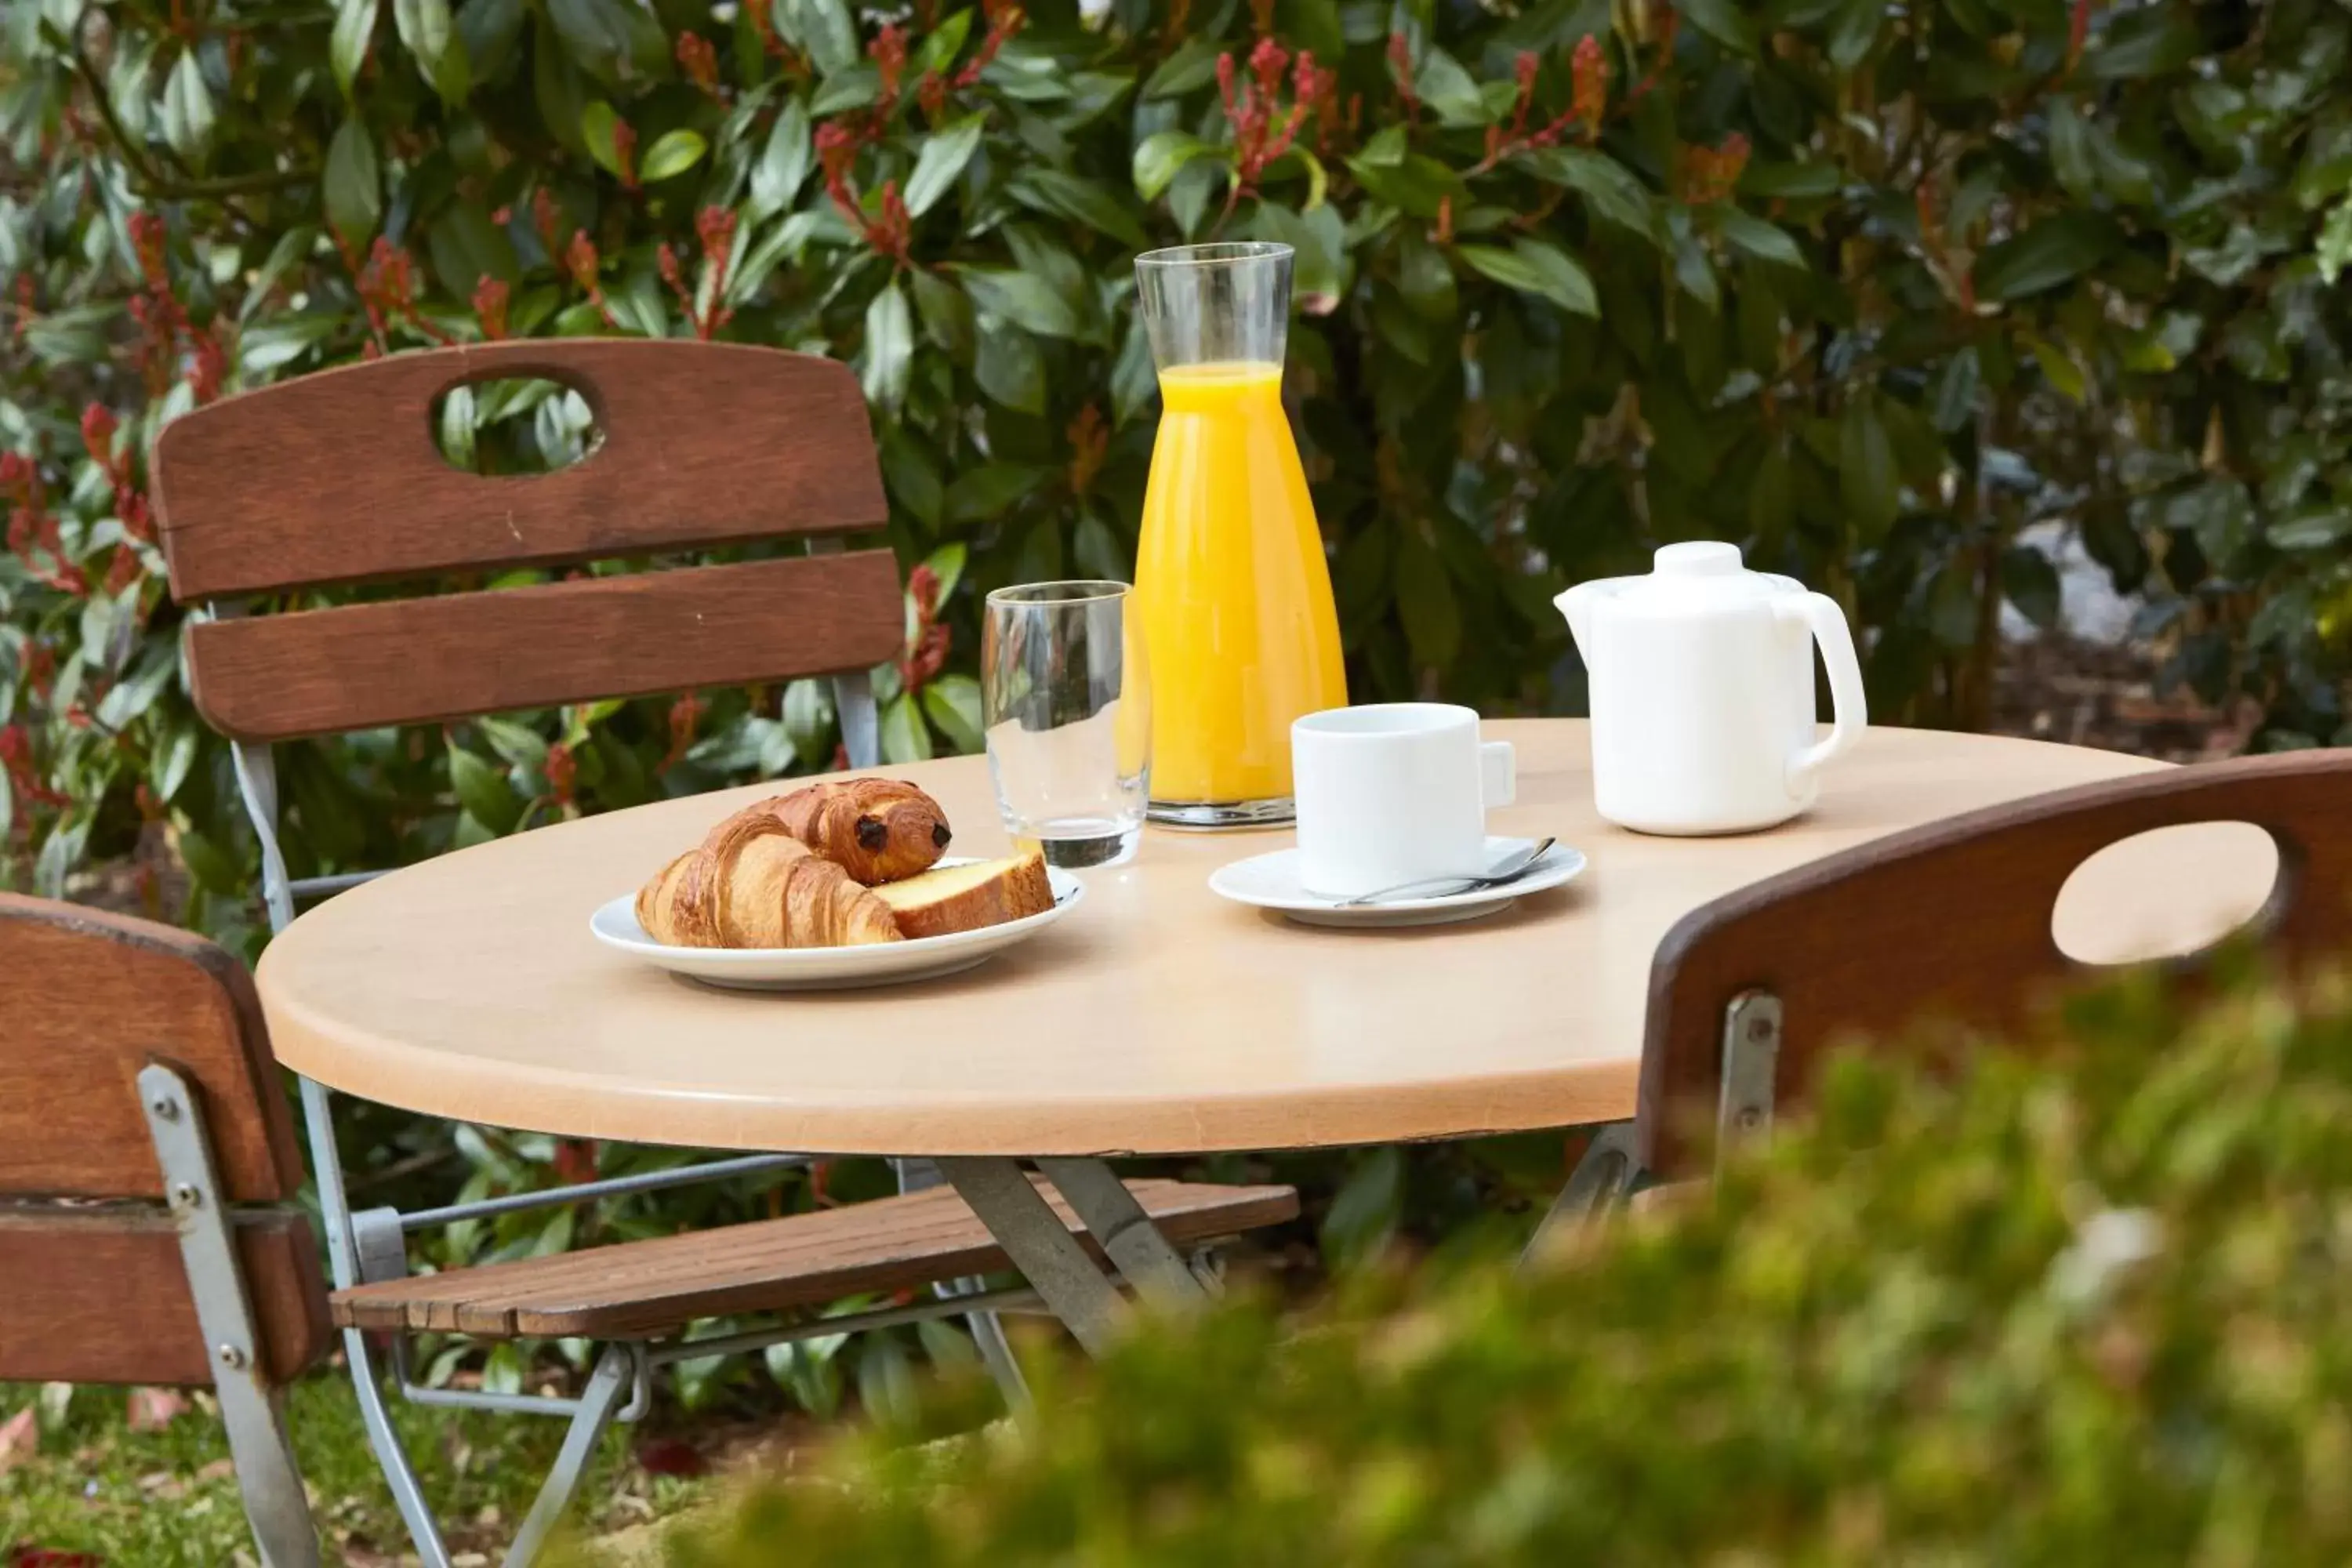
x,y
2082,1305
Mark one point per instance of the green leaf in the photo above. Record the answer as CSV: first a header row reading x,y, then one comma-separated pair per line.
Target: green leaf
x,y
188,109
1425,599
947,314
1009,368
941,161
784,164
889,348
1536,267
1161,155
905,739
1867,476
822,28
1021,298
859,87
466,246
2055,250
483,791
672,154
280,341
2335,248
292,246
599,127
990,491
1854,33
214,869
1193,64
1365,1212
1952,391
556,88
424,29
1610,191
947,563
2321,529
1952,606
173,761
1725,21
1059,194
808,719
1417,184
2029,582
347,47
1446,87
354,194
2071,156
952,702
1751,234
2058,368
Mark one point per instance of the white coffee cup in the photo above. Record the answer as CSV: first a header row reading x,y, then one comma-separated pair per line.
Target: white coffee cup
x,y
1393,793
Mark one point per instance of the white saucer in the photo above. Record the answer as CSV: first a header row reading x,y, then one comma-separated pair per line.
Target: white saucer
x,y
830,968
1271,882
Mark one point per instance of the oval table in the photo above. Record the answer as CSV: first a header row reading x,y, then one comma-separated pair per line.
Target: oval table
x,y
1156,1019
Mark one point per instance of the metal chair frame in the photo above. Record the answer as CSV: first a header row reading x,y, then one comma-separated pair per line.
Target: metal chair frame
x,y
251,1411
371,1245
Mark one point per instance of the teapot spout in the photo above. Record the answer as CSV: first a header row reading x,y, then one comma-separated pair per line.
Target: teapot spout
x,y
1576,604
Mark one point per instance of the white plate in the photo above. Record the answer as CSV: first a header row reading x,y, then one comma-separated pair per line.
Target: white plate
x,y
1271,882
831,968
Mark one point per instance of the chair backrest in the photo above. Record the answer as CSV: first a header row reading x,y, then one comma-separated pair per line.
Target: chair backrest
x,y
1951,920
97,1292
334,479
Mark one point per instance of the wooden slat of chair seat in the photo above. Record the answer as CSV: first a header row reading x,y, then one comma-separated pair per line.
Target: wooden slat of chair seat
x,y
407,661
1952,921
100,1295
334,478
641,1288
87,999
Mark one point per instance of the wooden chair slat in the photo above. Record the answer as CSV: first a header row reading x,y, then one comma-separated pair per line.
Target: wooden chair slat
x,y
99,1295
334,478
88,998
405,661
639,1288
1953,921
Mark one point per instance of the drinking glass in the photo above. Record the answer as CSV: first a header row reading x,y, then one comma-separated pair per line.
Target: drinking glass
x,y
1230,575
1065,701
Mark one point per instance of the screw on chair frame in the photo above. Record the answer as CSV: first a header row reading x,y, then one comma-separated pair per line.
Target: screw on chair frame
x,y
1950,920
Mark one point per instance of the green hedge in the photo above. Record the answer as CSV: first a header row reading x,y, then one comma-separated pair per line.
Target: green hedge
x,y
2085,1307
1867,288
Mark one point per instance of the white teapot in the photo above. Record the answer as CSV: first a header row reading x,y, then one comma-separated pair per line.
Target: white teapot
x,y
1701,681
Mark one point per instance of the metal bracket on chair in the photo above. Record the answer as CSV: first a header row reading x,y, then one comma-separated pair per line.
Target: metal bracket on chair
x,y
274,1498
1602,1180
1751,1060
377,1238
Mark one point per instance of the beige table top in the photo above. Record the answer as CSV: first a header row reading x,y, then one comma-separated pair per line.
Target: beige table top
x,y
1157,1018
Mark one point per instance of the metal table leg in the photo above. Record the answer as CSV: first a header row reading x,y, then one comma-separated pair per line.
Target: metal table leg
x,y
1059,1267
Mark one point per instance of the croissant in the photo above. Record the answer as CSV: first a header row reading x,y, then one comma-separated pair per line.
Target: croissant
x,y
879,830
752,884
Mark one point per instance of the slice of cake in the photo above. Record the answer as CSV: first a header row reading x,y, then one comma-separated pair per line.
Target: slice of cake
x,y
949,898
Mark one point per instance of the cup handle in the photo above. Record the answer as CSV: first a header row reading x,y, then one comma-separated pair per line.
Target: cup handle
x,y
1849,711
1498,773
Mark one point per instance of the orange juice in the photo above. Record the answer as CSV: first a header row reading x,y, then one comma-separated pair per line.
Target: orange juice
x,y
1233,589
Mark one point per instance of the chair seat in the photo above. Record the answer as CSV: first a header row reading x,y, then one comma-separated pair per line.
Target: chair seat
x,y
638,1289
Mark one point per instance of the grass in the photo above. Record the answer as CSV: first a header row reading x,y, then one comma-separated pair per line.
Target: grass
x,y
167,1498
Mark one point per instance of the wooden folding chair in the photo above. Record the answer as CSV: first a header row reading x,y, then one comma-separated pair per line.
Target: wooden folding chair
x,y
148,1168
1949,921
334,479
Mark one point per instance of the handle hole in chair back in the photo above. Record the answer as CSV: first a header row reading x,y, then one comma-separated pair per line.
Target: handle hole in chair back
x,y
2102,918
499,425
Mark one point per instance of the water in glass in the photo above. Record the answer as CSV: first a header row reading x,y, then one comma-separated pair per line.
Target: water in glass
x,y
1066,702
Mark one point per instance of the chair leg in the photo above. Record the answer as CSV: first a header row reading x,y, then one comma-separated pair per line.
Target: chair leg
x,y
407,1496
276,1504
616,1373
1601,1181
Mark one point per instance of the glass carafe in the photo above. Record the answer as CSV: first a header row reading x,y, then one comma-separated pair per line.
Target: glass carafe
x,y
1230,575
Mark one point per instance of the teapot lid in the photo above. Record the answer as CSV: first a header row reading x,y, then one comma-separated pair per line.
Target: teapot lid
x,y
1703,571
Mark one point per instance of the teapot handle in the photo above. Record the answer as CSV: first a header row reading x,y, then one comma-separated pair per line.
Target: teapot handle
x,y
1849,711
